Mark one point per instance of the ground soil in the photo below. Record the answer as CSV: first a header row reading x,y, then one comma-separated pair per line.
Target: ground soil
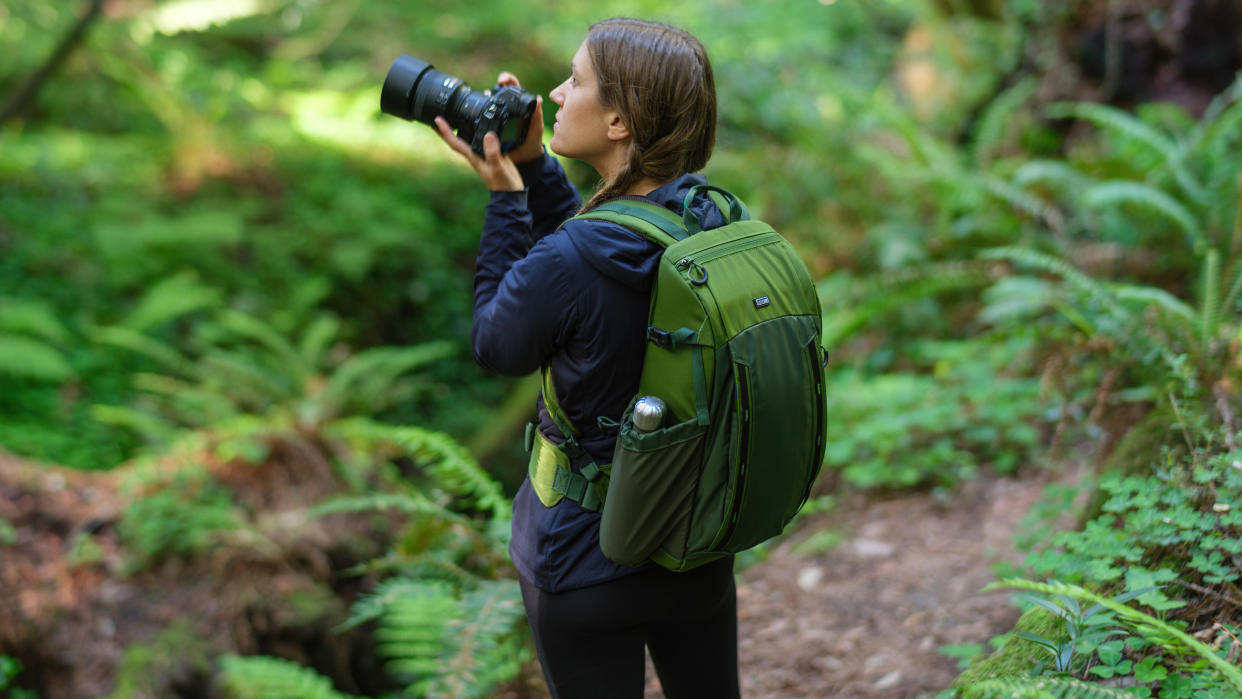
x,y
867,618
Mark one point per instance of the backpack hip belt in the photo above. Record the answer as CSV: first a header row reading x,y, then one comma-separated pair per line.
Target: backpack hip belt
x,y
553,477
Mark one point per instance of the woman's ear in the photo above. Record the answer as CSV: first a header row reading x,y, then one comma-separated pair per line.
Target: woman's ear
x,y
617,130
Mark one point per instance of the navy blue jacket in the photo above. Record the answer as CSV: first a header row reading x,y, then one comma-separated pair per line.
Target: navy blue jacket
x,y
573,294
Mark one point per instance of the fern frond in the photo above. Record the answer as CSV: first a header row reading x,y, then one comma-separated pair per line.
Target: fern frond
x,y
1013,299
1150,627
171,298
1183,317
1058,174
1145,196
190,404
1117,321
1221,124
484,650
1117,120
1130,127
993,124
443,644
28,358
288,359
161,353
367,378
1040,688
414,631
412,502
371,605
1210,315
236,374
850,304
33,318
449,463
155,430
317,338
1054,265
1021,200
265,677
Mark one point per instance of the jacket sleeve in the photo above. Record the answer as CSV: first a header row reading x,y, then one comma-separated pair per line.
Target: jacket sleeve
x,y
521,294
552,197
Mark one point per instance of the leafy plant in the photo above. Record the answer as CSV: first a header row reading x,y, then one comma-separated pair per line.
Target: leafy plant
x,y
10,668
938,427
30,335
181,520
1084,630
446,642
1183,516
261,677
445,624
241,365
1163,638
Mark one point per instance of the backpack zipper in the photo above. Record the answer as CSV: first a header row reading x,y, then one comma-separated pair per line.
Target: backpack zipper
x,y
742,378
728,248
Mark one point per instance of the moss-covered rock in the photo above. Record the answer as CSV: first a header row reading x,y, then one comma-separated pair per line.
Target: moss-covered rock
x,y
1016,655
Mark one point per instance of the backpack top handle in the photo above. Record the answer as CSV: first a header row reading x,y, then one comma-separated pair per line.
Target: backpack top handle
x,y
736,210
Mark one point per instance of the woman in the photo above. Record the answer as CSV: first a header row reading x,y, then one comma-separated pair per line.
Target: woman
x,y
639,106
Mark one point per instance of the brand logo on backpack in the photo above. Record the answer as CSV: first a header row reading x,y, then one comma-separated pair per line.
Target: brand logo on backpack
x,y
763,302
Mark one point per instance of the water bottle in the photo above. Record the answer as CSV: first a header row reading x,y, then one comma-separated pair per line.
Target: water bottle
x,y
648,413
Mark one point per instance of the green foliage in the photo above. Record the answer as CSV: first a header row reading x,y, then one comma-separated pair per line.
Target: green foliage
x,y
158,666
1184,517
263,677
29,336
1041,688
10,668
1161,635
8,533
444,642
177,522
240,365
905,429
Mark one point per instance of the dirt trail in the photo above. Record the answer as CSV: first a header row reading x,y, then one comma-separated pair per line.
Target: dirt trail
x,y
867,618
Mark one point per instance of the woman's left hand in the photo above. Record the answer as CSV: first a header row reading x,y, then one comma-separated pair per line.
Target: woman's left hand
x,y
497,170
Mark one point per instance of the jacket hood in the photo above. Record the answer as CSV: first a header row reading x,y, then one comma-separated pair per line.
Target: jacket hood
x,y
627,257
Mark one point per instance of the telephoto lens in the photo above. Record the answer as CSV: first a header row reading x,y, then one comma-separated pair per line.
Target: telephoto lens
x,y
415,91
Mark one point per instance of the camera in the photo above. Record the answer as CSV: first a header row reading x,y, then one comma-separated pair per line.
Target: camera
x,y
415,91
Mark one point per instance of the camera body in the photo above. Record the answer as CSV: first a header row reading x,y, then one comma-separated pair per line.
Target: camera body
x,y
415,91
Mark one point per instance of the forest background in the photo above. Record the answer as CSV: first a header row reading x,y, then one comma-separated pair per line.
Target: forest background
x,y
247,452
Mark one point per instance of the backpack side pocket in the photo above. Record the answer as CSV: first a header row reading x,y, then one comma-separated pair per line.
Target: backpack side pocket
x,y
651,491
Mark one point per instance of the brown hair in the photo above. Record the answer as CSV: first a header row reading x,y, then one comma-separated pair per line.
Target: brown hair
x,y
660,81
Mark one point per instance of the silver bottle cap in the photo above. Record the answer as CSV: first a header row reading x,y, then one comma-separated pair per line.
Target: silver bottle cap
x,y
648,413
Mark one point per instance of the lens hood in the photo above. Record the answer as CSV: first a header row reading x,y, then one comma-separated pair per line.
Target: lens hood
x,y
397,95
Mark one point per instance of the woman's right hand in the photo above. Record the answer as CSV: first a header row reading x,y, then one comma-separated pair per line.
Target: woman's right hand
x,y
498,171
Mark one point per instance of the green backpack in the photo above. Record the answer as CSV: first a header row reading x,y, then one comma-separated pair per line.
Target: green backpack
x,y
734,353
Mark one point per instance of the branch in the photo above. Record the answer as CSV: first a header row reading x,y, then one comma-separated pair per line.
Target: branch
x,y
30,86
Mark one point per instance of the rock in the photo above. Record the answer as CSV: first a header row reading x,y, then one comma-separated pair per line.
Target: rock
x,y
889,681
870,548
809,578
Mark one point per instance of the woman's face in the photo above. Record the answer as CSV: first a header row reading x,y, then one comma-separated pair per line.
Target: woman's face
x,y
584,129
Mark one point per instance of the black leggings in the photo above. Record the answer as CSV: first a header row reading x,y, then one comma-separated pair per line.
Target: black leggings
x,y
590,641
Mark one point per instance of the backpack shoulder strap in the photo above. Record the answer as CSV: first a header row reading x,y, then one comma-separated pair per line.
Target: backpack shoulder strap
x,y
657,223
